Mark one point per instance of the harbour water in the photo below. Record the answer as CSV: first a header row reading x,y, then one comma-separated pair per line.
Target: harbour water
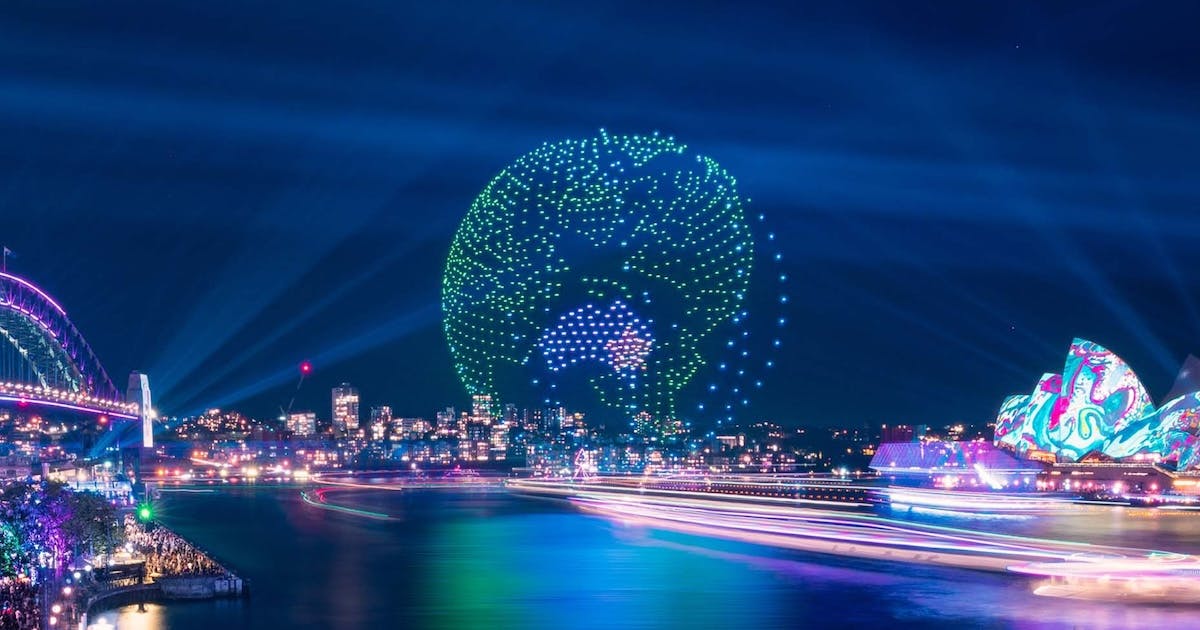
x,y
487,559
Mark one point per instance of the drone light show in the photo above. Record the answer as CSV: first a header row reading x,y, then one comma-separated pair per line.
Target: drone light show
x,y
609,272
612,336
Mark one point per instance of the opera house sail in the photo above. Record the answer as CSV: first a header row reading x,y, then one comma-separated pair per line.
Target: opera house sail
x,y
1097,407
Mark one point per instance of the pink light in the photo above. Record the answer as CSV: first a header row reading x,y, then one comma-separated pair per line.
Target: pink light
x,y
22,401
35,289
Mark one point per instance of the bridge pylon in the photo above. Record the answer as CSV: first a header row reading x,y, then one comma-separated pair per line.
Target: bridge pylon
x,y
139,392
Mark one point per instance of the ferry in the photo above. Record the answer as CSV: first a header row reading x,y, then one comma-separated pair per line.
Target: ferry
x,y
801,491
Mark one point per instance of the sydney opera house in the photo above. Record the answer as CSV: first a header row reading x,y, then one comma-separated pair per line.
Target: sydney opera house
x,y
1092,426
1097,410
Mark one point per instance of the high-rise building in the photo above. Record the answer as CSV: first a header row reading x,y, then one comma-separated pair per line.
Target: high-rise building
x,y
572,422
302,423
411,428
535,420
530,420
478,443
345,409
462,430
446,421
500,439
552,420
381,420
483,409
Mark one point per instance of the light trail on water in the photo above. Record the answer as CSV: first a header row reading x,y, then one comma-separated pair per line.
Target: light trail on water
x,y
320,502
1075,569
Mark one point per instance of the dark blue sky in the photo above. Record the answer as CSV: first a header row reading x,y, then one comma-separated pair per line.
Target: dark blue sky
x,y
218,190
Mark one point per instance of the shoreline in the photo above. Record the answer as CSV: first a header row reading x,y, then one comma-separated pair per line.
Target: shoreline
x,y
164,588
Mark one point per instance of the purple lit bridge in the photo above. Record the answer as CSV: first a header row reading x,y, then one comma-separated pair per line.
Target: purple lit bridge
x,y
44,361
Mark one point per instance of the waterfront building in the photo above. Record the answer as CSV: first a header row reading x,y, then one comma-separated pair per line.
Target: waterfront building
x,y
15,466
531,420
446,422
215,423
731,442
552,420
483,409
954,464
1098,410
302,423
381,421
411,428
345,409
1092,428
478,443
500,440
897,433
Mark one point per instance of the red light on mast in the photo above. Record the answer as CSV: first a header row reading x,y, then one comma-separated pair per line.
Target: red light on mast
x,y
305,368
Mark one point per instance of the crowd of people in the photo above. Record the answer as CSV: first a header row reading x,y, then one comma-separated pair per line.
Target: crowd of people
x,y
18,597
168,555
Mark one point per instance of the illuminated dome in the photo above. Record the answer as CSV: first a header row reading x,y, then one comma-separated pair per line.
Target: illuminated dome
x,y
602,268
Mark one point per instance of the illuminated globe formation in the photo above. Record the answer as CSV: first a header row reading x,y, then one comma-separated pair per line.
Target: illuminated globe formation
x,y
608,266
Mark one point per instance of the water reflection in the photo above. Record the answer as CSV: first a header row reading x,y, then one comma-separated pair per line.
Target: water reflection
x,y
455,560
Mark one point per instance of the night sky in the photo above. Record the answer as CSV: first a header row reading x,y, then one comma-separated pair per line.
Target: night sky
x,y
216,191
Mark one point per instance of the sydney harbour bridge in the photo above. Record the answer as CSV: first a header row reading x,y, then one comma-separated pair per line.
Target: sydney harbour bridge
x,y
45,362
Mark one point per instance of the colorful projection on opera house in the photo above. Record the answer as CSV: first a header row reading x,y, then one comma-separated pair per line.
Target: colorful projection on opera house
x,y
1010,422
1098,405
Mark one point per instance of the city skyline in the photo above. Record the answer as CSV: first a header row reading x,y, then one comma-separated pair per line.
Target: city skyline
x,y
942,249
604,314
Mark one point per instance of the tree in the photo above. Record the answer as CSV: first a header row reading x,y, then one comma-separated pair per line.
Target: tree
x,y
50,518
92,525
11,556
19,505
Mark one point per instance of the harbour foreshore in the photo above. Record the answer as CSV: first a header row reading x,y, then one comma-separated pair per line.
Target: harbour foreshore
x,y
160,566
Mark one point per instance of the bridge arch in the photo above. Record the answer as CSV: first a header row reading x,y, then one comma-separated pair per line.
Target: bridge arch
x,y
39,346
